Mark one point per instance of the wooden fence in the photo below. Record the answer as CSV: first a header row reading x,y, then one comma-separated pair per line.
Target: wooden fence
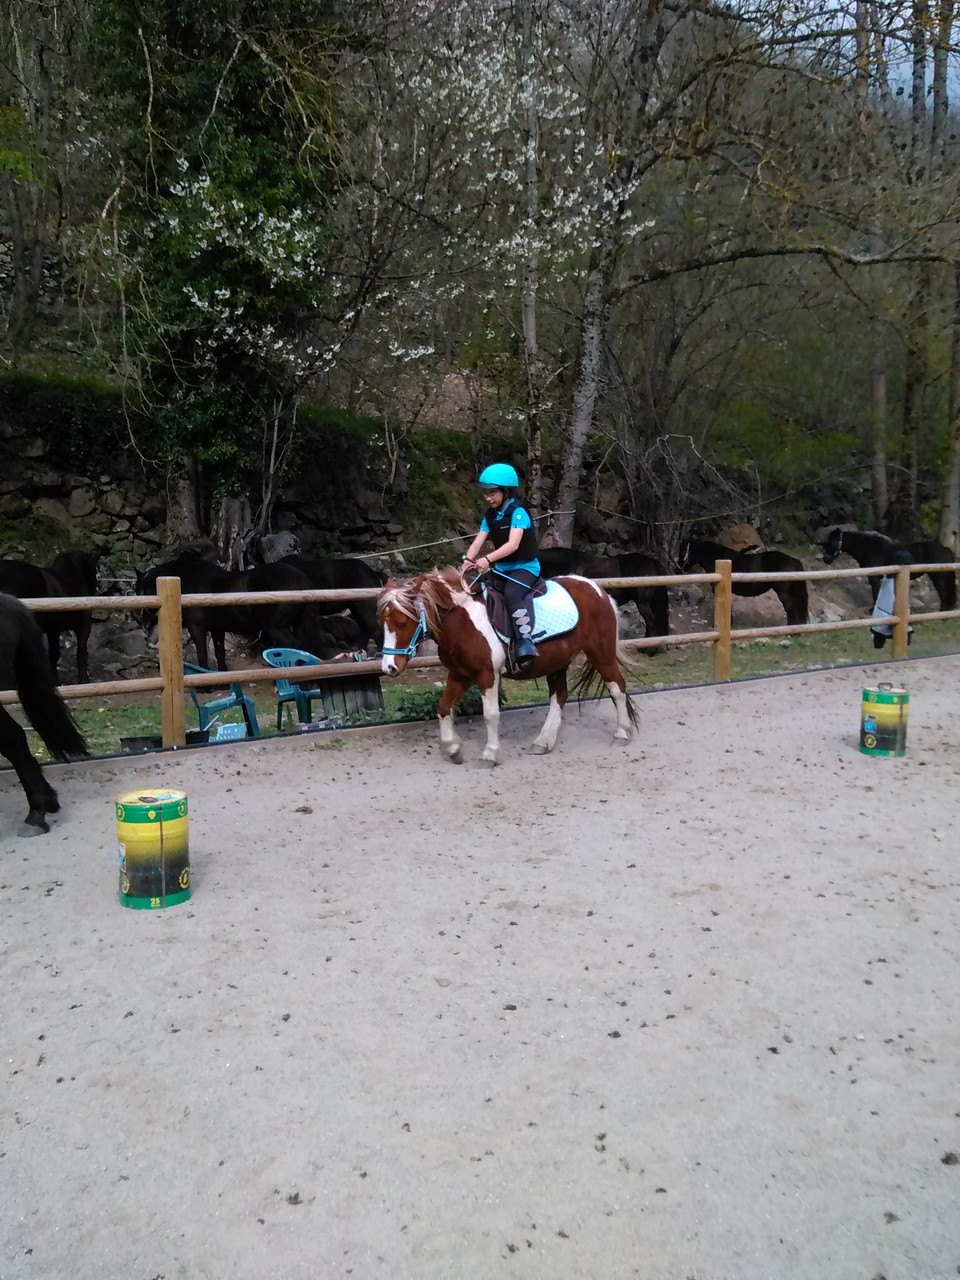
x,y
169,604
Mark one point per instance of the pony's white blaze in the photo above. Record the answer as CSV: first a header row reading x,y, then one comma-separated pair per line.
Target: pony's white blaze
x,y
388,663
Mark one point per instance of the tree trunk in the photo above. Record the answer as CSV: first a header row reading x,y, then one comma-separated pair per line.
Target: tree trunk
x,y
533,368
950,494
878,442
183,501
596,308
915,385
232,528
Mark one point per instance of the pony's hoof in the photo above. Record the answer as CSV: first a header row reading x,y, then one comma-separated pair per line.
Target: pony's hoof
x,y
34,829
489,762
455,756
620,742
537,749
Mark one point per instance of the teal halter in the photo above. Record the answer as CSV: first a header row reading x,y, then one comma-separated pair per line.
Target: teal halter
x,y
420,634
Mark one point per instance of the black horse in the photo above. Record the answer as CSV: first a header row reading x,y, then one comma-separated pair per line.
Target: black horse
x,y
24,667
869,549
280,625
652,603
336,574
73,573
792,595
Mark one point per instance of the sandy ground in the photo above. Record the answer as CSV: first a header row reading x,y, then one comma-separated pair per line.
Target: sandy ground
x,y
686,1009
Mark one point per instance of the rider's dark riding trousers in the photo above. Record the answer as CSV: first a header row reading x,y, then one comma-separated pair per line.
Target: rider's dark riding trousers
x,y
517,589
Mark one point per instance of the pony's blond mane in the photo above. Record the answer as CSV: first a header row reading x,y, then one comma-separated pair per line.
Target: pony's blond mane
x,y
438,591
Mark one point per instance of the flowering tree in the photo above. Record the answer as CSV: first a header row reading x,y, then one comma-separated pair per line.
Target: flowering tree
x,y
226,156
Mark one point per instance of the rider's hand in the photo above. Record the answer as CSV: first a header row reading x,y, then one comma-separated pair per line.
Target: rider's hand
x,y
468,563
483,564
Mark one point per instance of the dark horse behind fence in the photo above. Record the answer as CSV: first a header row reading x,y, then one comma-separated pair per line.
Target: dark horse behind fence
x,y
792,595
284,624
342,574
73,573
436,604
870,549
652,603
24,667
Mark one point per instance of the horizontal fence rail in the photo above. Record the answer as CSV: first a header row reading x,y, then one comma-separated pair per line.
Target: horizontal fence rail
x,y
169,604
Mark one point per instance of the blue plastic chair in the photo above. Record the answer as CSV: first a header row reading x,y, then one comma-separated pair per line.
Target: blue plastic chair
x,y
209,710
289,691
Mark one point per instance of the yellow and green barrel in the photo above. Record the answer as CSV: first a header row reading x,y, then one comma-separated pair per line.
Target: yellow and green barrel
x,y
883,720
154,849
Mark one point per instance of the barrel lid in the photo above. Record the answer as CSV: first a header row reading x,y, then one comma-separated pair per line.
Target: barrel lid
x,y
151,806
885,693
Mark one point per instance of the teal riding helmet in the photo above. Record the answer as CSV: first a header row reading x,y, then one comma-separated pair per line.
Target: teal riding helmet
x,y
499,475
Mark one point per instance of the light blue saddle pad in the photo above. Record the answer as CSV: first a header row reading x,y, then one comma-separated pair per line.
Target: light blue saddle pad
x,y
554,614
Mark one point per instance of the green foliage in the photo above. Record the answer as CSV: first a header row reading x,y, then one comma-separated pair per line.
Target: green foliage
x,y
15,159
421,704
338,428
784,452
224,114
84,419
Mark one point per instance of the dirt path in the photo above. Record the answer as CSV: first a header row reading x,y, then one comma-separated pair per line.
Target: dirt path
x,y
686,1009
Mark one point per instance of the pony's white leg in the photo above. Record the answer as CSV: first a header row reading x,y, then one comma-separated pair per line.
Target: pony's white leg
x,y
546,740
491,719
449,741
617,692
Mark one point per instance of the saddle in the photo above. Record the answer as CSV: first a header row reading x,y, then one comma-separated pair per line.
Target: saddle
x,y
554,614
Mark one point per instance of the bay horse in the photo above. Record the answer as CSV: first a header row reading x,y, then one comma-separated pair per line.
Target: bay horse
x,y
24,667
652,603
792,595
435,603
869,549
72,573
276,625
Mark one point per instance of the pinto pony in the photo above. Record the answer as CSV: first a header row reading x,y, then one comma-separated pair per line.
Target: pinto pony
x,y
436,604
25,668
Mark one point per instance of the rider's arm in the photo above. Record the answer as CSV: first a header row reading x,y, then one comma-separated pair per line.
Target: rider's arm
x,y
508,548
475,546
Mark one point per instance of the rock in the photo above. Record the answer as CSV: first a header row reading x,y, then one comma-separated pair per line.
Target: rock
x,y
740,537
81,503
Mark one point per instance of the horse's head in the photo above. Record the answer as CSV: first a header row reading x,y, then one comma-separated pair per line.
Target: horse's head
x,y
145,584
832,545
402,617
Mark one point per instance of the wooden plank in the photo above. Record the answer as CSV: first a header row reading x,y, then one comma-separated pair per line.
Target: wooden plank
x,y
722,618
901,605
170,637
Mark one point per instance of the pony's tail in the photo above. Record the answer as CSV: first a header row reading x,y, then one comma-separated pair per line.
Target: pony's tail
x,y
590,683
42,704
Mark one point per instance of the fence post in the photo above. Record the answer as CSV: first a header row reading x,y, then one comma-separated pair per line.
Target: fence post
x,y
722,618
170,626
901,605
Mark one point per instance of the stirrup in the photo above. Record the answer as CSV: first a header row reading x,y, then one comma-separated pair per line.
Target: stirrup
x,y
525,653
